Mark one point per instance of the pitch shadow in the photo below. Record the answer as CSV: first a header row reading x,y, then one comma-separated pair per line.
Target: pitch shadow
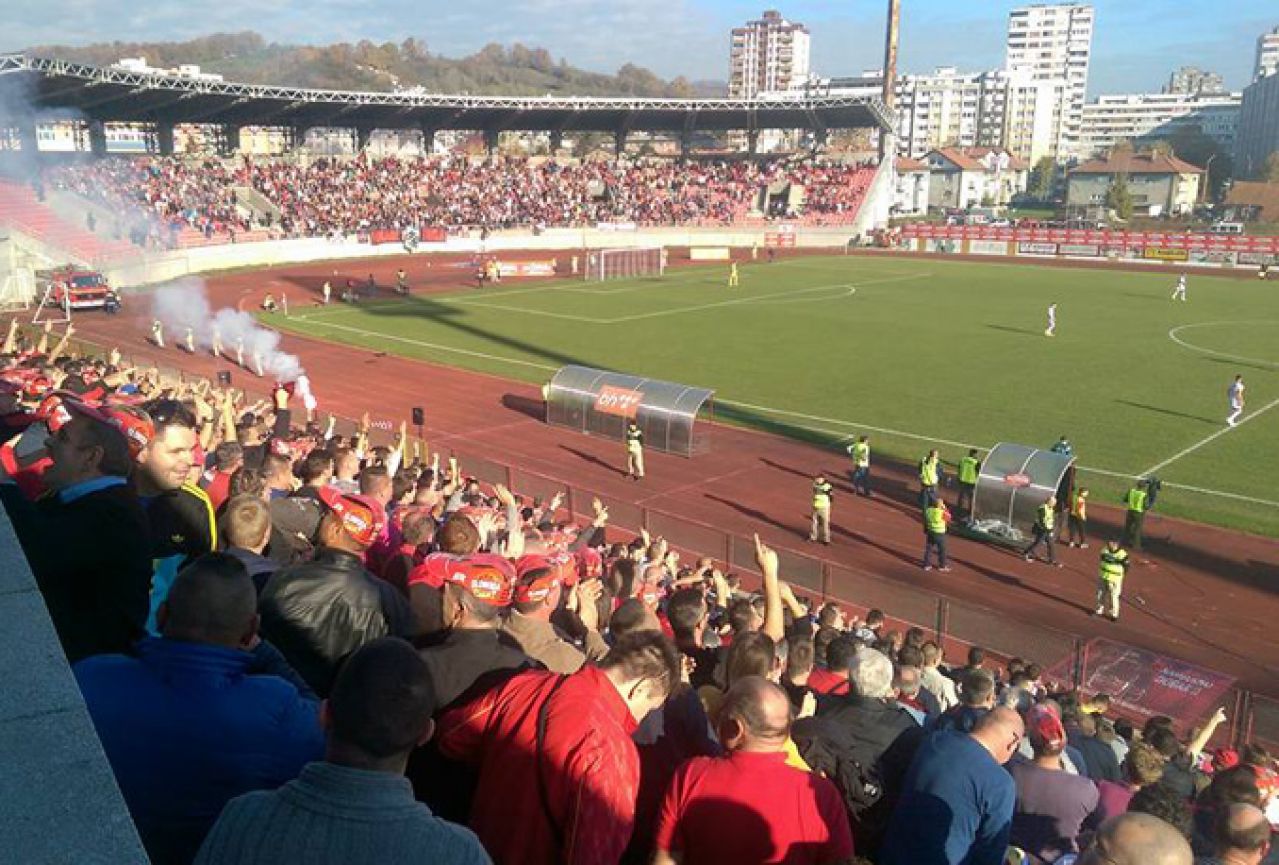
x,y
1169,412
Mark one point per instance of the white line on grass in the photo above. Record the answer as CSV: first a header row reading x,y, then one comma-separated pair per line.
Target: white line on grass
x,y
741,300
375,334
1208,439
1172,334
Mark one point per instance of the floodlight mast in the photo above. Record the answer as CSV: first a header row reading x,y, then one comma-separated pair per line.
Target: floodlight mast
x,y
891,30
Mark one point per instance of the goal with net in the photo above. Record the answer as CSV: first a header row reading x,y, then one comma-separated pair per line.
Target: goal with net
x,y
631,263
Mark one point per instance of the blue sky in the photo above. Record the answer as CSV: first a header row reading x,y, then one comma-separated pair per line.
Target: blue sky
x,y
1137,43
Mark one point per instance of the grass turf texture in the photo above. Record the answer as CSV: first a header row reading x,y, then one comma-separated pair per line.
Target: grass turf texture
x,y
828,348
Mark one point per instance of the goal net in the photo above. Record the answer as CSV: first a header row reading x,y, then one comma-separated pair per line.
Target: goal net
x,y
625,263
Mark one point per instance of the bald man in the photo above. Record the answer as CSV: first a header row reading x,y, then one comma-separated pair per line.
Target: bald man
x,y
1137,839
749,806
957,804
190,723
1241,835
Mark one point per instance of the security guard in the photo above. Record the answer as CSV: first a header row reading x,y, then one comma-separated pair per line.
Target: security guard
x,y
634,451
733,279
1045,516
936,517
1110,582
1136,500
929,474
1079,519
969,467
860,452
822,491
546,400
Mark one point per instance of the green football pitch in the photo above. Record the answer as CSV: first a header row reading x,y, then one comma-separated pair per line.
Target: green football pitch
x,y
914,353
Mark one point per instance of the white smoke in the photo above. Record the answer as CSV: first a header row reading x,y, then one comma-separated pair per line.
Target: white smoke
x,y
184,304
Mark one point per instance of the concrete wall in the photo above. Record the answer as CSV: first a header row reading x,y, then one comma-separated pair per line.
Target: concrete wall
x,y
59,802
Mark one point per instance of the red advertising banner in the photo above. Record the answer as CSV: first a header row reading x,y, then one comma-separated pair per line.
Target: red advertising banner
x,y
618,401
1159,240
384,235
1142,683
434,234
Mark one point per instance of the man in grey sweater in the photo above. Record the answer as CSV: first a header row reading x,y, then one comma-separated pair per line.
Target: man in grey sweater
x,y
356,806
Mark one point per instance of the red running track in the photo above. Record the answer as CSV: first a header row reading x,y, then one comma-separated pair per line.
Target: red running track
x,y
1209,594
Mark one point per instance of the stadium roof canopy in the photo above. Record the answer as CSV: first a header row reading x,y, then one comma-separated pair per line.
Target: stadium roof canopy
x,y
119,95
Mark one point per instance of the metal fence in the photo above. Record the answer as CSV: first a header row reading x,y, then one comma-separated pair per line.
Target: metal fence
x,y
955,625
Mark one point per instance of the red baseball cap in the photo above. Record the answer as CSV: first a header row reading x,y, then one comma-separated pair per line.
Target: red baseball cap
x,y
433,571
134,423
1044,727
489,578
362,518
538,576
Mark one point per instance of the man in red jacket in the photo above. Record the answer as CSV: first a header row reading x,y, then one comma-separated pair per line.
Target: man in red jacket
x,y
558,771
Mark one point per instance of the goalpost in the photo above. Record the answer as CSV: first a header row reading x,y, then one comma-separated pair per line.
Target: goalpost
x,y
630,263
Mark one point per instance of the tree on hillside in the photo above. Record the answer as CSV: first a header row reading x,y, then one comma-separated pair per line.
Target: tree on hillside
x,y
1118,198
1270,173
1042,177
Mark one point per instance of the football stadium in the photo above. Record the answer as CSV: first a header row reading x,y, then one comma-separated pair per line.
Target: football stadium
x,y
408,458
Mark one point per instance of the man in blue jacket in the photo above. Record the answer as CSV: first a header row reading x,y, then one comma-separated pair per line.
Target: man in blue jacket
x,y
203,714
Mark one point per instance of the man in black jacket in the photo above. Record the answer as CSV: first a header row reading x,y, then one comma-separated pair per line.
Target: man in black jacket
x,y
87,540
319,612
864,742
477,588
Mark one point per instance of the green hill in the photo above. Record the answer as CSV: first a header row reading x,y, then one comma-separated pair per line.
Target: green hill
x,y
494,70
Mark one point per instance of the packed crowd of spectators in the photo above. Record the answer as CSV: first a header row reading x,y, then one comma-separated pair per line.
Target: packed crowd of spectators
x,y
298,646
328,196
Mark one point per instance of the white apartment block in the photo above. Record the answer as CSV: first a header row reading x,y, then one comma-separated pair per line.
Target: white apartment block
x,y
768,54
1192,79
1149,116
1267,55
1048,52
950,109
944,108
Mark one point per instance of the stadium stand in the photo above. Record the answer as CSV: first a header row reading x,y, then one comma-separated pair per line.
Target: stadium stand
x,y
345,547
192,202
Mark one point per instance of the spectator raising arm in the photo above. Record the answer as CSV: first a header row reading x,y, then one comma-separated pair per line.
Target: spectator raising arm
x,y
774,624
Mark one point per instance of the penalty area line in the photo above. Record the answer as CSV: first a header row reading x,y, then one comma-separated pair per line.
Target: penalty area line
x,y
1208,439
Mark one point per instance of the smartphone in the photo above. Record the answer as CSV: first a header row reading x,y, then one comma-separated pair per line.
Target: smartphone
x,y
224,378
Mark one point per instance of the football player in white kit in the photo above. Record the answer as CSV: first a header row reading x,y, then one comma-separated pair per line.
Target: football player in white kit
x,y
1179,291
1052,320
1235,394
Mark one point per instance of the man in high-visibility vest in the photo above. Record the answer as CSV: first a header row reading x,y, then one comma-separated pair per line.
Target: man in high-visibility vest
x,y
860,452
936,518
969,468
929,475
546,400
1110,581
822,491
1045,516
1078,519
634,451
1136,501
733,279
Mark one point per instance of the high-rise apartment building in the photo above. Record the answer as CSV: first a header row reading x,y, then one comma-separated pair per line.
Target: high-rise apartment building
x,y
767,55
950,109
1193,80
1146,117
1267,55
1048,52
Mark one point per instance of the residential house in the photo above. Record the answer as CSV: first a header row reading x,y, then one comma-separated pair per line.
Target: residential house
x,y
910,189
964,177
1249,200
1158,183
